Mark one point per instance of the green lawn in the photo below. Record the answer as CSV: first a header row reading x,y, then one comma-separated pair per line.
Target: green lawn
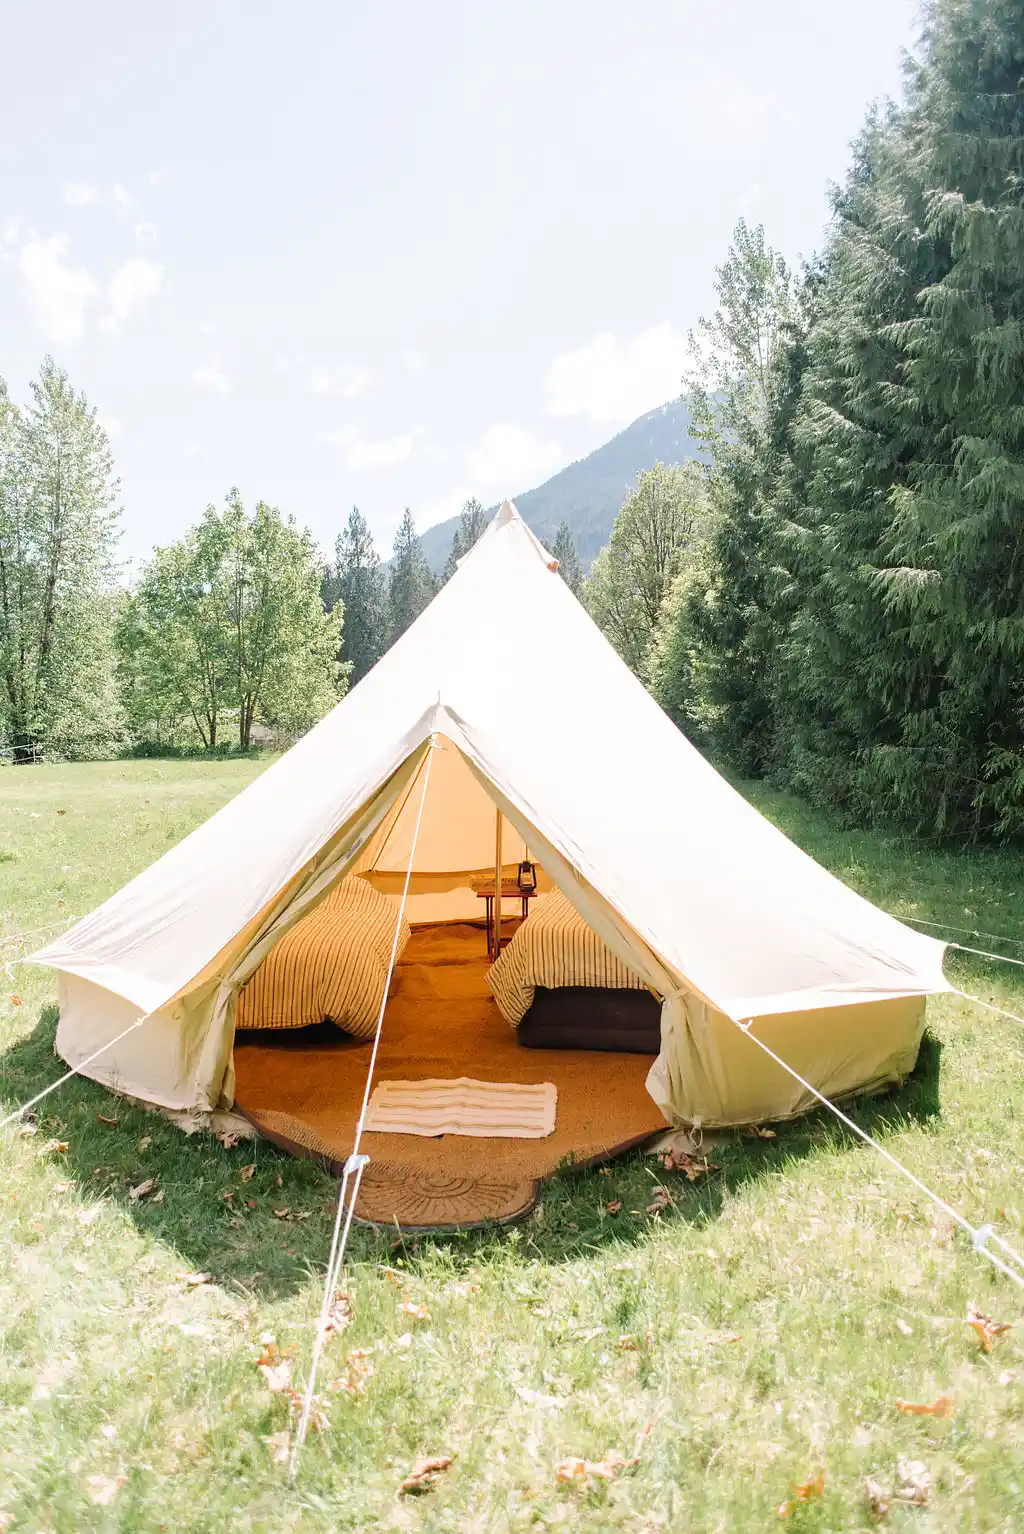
x,y
778,1308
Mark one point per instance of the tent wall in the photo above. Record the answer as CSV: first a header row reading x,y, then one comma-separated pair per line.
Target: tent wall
x,y
710,1073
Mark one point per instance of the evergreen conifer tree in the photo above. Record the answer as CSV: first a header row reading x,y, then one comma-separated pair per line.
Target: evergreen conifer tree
x,y
472,521
411,584
358,580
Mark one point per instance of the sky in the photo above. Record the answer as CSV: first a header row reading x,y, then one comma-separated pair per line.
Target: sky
x,y
397,254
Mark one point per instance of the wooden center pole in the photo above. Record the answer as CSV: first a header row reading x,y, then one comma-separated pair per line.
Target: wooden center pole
x,y
497,885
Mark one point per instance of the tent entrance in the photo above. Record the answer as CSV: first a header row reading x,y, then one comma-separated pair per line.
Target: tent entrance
x,y
303,1089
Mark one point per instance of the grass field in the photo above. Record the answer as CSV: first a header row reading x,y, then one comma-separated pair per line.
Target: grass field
x,y
777,1309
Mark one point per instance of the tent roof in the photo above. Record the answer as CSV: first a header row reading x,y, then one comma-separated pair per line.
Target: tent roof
x,y
578,751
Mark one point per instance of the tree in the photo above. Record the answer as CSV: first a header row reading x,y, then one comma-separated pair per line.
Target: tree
x,y
230,618
411,585
564,550
358,580
658,525
472,521
58,530
738,392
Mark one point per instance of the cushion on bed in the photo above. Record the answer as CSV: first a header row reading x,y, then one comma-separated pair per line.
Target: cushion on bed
x,y
331,965
593,1017
554,948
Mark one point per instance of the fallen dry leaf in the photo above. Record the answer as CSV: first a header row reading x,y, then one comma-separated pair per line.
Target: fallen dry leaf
x,y
613,1207
662,1200
418,1312
606,1469
693,1166
462,1291
987,1329
102,1489
193,1279
424,1473
228,1138
246,1173
57,1147
141,1189
358,1369
15,1000
904,1327
102,1118
282,1214
916,1482
26,1131
877,1498
761,1133
806,1491
942,1406
145,1142
280,1446
393,1276
158,1197
629,1342
340,1313
277,1372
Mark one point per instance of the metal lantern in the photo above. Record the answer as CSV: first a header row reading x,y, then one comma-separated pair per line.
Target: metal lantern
x,y
526,878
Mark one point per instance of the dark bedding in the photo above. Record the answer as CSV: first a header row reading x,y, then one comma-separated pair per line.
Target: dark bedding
x,y
592,1017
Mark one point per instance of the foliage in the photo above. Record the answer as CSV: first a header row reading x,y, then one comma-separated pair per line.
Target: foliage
x,y
566,1335
359,582
411,583
658,526
861,629
229,620
564,550
718,659
472,521
58,529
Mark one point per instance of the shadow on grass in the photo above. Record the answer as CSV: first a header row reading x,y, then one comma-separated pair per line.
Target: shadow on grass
x,y
267,1229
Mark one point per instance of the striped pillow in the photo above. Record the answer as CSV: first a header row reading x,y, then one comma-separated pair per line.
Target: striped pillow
x,y
555,947
331,965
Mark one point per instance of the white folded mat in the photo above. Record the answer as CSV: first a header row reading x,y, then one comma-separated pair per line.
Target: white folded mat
x,y
488,1109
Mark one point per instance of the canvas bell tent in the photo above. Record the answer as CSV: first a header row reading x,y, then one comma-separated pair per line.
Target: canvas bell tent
x,y
717,912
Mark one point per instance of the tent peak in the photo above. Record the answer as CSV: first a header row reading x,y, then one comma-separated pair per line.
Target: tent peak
x,y
507,512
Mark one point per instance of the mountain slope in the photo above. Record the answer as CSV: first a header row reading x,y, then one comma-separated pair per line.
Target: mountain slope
x,y
589,492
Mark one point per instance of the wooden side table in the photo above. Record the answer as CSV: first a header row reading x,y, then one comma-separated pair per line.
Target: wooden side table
x,y
484,890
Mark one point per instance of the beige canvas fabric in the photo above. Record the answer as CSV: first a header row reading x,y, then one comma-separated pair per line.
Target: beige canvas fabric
x,y
686,882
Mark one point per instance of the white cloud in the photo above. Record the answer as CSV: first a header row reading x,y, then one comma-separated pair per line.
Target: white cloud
x,y
59,293
511,458
444,507
132,286
287,362
86,194
368,453
612,381
80,194
210,377
110,424
414,362
345,382
208,328
145,232
191,449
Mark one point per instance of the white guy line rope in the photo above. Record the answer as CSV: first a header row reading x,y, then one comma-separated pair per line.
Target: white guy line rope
x,y
979,1235
22,937
945,926
1000,958
990,1006
356,1162
75,1069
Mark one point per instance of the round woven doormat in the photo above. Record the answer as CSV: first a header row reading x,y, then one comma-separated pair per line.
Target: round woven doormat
x,y
392,1194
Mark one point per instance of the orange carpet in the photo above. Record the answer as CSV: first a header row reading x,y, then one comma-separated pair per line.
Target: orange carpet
x,y
303,1089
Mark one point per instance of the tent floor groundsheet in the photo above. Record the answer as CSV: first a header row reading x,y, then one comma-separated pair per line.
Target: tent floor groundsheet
x,y
303,1088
